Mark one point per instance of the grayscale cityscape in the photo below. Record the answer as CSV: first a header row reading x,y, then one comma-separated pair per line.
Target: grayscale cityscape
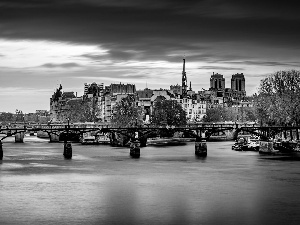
x,y
149,112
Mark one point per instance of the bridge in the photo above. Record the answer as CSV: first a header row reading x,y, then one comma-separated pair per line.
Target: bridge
x,y
138,134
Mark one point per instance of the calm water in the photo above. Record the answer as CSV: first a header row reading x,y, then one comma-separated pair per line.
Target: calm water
x,y
167,185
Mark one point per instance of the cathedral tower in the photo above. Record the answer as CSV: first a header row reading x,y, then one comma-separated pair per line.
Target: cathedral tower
x,y
238,82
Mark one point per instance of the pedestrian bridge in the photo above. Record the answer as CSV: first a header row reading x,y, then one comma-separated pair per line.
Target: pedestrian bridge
x,y
138,134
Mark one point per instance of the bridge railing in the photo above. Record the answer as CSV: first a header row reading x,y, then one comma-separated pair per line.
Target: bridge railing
x,y
100,126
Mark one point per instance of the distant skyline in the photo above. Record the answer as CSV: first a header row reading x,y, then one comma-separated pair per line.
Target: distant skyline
x,y
47,42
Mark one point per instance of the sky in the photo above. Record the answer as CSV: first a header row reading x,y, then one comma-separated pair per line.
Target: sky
x,y
44,43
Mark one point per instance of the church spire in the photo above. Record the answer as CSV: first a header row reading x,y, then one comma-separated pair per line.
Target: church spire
x,y
184,81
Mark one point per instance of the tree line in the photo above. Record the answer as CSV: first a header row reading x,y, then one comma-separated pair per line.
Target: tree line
x,y
165,112
20,117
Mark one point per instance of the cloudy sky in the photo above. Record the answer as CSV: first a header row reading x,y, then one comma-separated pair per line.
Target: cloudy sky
x,y
47,42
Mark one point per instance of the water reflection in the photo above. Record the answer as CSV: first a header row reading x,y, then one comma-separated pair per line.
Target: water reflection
x,y
167,185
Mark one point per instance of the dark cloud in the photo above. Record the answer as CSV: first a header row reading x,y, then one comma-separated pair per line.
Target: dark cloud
x,y
62,65
24,3
147,30
207,8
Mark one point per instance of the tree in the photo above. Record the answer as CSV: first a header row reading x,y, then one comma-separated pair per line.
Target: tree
x,y
126,113
168,112
278,99
81,110
250,114
7,117
221,114
213,115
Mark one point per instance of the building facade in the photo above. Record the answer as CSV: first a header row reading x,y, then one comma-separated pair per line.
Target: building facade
x,y
111,95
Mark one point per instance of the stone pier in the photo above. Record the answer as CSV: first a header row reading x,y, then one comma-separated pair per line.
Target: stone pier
x,y
200,147
19,137
67,150
135,149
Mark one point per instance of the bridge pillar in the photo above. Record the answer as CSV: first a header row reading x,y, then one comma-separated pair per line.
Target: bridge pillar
x,y
200,147
19,137
67,150
135,149
1,150
112,139
266,147
54,137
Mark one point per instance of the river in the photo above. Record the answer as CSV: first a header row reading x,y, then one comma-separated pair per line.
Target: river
x,y
166,185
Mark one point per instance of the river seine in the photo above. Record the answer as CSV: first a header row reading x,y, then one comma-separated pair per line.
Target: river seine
x,y
166,185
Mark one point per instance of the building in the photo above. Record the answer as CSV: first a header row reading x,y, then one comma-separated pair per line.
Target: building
x,y
217,82
195,109
238,86
104,98
223,96
111,95
93,89
184,81
144,101
238,82
59,104
116,89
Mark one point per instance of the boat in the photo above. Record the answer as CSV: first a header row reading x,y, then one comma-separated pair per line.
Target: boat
x,y
240,145
90,140
103,139
286,146
253,144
